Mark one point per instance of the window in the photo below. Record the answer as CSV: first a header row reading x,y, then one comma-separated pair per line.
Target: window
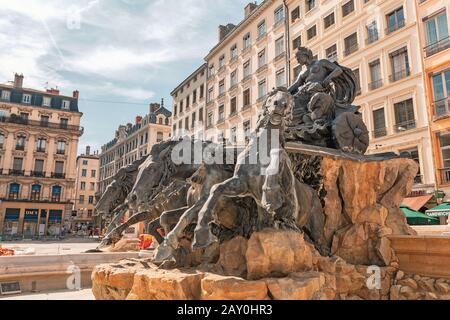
x,y
35,192
437,37
64,123
24,117
295,14
221,87
246,98
61,147
200,114
247,131
181,106
93,173
20,143
310,4
6,95
210,94
329,20
444,142
194,96
2,140
404,116
351,44
414,153
331,53
441,92
46,101
375,75
262,89
59,167
233,78
66,104
26,98
210,119
83,186
175,110
44,121
91,200
193,120
281,78
395,20
312,32
188,103
279,46
221,113
186,124
81,199
234,52
211,71
14,189
297,42
160,136
358,81
202,91
399,64
262,58
372,32
221,61
83,172
233,105
246,41
261,29
38,167
41,145
379,123
348,8
233,135
85,162
56,193
247,69
279,15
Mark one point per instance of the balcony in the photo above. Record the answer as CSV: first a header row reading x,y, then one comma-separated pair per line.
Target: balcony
x,y
405,126
380,132
61,152
437,47
16,172
441,108
40,150
396,76
42,124
395,27
37,174
445,175
20,148
58,175
376,84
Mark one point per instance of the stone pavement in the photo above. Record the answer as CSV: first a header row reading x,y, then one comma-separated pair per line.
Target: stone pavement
x,y
69,246
85,294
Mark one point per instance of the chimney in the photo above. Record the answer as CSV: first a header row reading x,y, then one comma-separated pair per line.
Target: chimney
x,y
138,119
225,30
250,8
76,94
53,91
88,150
18,81
154,107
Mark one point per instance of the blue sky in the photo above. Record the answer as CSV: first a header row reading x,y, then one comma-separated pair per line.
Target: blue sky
x,y
114,51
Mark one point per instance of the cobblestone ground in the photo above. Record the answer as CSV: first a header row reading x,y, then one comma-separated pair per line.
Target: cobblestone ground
x,y
85,294
68,246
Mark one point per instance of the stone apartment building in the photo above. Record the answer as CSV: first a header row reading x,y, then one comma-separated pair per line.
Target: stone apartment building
x,y
39,133
433,19
132,142
394,47
86,188
189,104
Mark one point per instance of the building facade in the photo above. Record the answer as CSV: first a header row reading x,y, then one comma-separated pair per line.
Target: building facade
x,y
248,61
189,104
39,134
433,19
132,142
85,190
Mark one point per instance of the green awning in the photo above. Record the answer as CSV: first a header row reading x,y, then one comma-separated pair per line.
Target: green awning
x,y
415,218
442,210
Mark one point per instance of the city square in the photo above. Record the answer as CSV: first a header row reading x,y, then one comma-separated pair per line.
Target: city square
x,y
298,152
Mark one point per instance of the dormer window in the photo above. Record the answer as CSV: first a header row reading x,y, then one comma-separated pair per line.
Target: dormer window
x,y
26,98
6,95
46,101
66,105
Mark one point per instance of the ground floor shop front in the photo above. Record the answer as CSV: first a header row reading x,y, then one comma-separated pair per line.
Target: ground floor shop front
x,y
31,220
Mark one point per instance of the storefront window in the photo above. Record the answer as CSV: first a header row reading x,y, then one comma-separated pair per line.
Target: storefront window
x,y
54,223
11,223
30,223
